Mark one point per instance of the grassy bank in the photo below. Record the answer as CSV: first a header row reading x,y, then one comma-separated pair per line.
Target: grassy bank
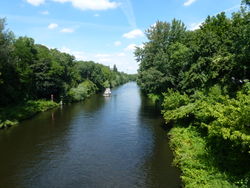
x,y
13,114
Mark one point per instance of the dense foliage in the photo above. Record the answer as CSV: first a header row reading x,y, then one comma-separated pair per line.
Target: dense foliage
x,y
204,164
30,71
202,78
217,53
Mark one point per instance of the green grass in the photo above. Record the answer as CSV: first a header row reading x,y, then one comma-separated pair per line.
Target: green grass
x,y
13,114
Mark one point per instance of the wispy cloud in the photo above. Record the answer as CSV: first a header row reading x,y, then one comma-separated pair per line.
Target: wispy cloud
x,y
117,43
194,26
35,2
37,20
189,2
232,8
132,47
52,26
45,12
82,4
67,30
91,4
128,10
133,34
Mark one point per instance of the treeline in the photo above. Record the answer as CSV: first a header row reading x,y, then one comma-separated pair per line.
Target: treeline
x,y
30,71
202,78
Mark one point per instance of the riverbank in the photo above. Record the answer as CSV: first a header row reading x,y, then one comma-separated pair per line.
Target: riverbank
x,y
12,115
210,138
196,161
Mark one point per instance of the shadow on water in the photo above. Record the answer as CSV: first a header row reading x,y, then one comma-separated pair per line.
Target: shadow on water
x,y
160,171
26,144
101,142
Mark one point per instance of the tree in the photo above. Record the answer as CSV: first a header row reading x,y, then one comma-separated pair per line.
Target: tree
x,y
8,76
156,58
25,54
115,68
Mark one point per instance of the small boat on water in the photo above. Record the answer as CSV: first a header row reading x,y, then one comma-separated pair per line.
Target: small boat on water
x,y
107,92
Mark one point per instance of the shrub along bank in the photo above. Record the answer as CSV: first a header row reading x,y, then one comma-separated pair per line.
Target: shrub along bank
x,y
212,148
13,114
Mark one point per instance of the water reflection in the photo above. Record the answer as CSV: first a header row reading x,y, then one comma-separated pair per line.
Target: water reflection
x,y
101,142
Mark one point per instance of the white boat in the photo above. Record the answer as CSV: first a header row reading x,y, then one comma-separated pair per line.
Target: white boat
x,y
107,92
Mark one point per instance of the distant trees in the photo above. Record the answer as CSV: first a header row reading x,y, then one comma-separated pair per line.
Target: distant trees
x,y
32,71
115,68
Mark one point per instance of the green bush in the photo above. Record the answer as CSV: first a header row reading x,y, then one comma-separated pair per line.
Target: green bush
x,y
224,117
198,162
154,98
83,91
212,147
7,123
11,115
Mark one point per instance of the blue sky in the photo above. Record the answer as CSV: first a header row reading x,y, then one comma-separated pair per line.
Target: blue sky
x,y
105,31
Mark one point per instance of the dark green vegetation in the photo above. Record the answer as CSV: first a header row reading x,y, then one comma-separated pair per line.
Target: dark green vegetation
x,y
12,114
30,72
201,78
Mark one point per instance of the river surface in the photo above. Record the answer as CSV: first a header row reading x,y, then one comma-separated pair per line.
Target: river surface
x,y
107,142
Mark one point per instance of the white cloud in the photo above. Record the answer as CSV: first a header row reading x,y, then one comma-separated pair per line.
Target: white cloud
x,y
132,47
102,55
91,4
65,50
104,60
189,2
133,34
232,8
45,12
194,26
117,43
67,30
96,15
124,61
35,2
121,54
153,25
52,26
78,54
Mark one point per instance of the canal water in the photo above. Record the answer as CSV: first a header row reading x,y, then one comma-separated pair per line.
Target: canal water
x,y
116,141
